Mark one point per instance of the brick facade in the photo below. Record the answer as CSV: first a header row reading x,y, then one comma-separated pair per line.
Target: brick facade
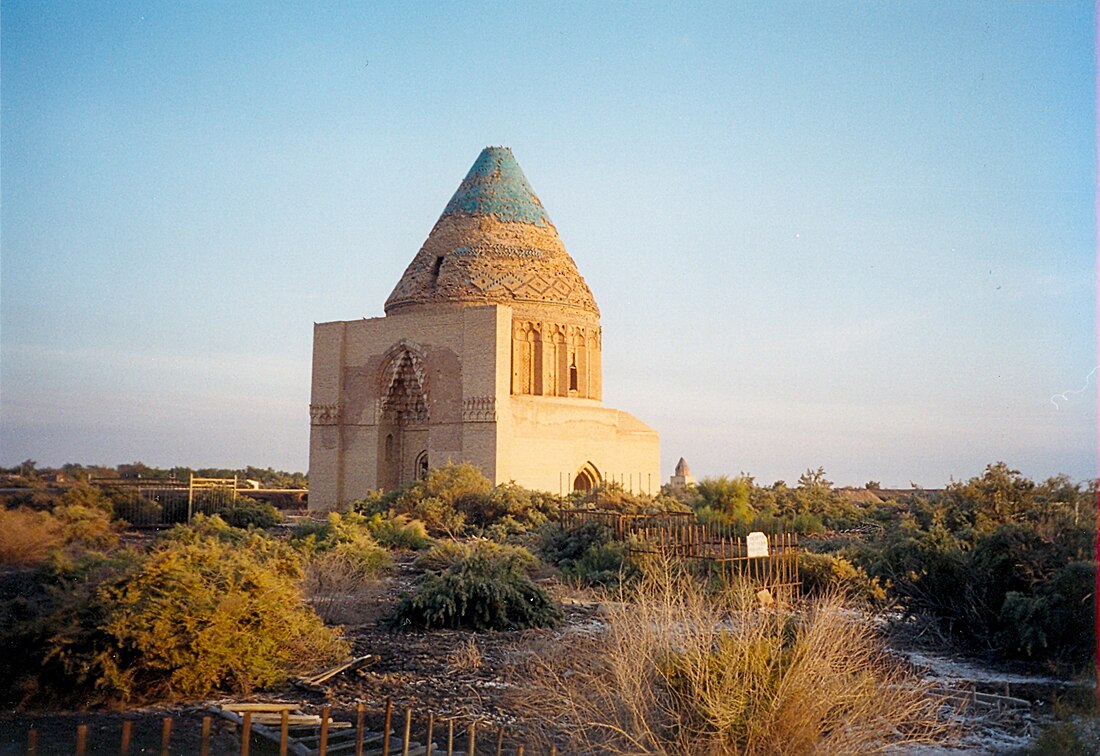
x,y
489,353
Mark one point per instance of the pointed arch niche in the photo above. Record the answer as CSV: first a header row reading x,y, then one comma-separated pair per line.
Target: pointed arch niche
x,y
402,414
587,478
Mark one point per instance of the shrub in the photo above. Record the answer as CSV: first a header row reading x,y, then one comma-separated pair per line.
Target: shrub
x,y
249,513
508,508
1075,727
199,613
347,535
451,483
437,515
132,508
1056,620
342,559
440,558
824,574
399,532
28,537
1011,588
318,529
337,586
588,554
724,499
677,671
480,586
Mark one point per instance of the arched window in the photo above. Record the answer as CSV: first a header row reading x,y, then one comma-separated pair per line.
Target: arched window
x,y
422,465
573,375
389,447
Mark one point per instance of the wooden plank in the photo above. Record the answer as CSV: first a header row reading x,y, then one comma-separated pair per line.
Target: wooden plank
x,y
395,743
296,720
352,664
264,731
272,706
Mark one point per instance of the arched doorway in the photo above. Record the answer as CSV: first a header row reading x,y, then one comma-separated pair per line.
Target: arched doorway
x,y
587,478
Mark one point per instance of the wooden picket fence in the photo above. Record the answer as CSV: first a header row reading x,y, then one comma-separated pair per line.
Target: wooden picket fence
x,y
284,726
708,549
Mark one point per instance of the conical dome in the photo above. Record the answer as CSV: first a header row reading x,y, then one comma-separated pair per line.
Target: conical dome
x,y
493,244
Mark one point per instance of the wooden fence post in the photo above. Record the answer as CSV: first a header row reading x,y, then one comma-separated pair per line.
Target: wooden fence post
x,y
81,739
408,730
32,741
124,743
386,727
359,726
204,747
165,735
322,747
471,750
284,732
246,732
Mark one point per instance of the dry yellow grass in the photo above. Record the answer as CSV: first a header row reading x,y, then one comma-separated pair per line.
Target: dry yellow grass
x,y
28,537
465,658
679,672
338,587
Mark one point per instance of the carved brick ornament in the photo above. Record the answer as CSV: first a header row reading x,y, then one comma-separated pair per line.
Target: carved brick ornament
x,y
479,409
324,414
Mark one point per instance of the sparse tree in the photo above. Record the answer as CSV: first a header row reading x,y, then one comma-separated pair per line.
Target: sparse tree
x,y
727,496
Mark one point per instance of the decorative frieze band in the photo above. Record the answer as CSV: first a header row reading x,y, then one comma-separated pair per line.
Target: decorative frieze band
x,y
324,414
479,409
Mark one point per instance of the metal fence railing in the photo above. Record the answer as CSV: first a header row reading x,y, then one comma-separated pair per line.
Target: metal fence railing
x,y
766,560
147,502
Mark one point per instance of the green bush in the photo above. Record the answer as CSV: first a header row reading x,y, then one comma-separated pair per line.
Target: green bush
x,y
479,586
399,532
456,499
443,556
348,536
319,529
249,513
823,574
437,515
507,510
1002,565
724,499
1056,619
203,611
588,555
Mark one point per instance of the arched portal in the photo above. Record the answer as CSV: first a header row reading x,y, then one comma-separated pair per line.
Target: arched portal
x,y
403,416
587,478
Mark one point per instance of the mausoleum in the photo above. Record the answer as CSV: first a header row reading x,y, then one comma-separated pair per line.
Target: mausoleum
x,y
489,353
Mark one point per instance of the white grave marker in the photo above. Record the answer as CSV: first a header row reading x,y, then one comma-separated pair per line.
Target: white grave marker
x,y
757,544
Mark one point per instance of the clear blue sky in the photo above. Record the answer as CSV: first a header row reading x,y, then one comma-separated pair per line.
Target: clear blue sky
x,y
852,234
